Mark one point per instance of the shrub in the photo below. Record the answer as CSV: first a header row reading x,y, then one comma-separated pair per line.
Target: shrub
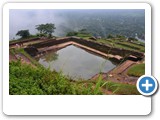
x,y
27,80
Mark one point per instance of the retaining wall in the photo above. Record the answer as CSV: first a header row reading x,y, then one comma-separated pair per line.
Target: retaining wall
x,y
92,44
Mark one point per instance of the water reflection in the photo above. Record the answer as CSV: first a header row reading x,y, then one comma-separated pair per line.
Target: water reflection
x,y
50,56
76,62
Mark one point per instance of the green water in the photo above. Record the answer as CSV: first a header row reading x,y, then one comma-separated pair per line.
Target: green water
x,y
76,62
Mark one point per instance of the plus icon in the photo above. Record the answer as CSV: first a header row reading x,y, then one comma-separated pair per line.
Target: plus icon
x,y
147,85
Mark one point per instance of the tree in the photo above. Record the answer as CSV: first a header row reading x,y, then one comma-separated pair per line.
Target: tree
x,y
46,29
23,33
120,36
110,36
73,33
83,31
132,39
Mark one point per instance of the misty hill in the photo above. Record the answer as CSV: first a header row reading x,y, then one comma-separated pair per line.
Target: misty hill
x,y
103,22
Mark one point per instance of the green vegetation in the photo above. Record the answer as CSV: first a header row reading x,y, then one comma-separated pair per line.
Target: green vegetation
x,y
73,33
23,33
26,80
110,36
83,33
137,70
123,89
132,39
46,29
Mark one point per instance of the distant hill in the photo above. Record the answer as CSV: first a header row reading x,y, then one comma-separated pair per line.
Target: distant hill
x,y
130,23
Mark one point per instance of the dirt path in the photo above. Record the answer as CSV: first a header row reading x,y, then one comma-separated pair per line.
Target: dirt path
x,y
106,92
119,74
12,57
120,69
20,57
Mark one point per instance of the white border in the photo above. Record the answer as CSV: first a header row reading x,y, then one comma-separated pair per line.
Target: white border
x,y
74,104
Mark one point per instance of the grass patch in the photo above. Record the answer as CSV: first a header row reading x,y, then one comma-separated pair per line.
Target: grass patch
x,y
137,70
83,35
122,89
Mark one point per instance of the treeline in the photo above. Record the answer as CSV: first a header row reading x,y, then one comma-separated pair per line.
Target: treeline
x,y
45,30
86,33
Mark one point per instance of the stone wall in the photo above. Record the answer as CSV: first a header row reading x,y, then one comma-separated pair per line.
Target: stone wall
x,y
24,41
51,43
108,49
92,44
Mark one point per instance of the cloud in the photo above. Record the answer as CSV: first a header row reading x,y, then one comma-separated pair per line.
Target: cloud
x,y
20,19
